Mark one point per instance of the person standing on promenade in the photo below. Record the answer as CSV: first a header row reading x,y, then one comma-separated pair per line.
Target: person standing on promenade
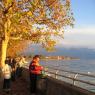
x,y
12,63
13,66
7,77
35,71
20,65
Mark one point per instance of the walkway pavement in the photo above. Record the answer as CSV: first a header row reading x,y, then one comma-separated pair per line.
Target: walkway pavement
x,y
18,87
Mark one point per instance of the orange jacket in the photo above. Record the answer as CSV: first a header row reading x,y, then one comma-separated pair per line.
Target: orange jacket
x,y
34,68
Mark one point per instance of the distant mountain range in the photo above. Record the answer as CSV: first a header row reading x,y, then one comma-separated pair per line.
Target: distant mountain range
x,y
82,53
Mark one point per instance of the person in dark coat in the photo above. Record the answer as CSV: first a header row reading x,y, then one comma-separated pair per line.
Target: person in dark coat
x,y
13,66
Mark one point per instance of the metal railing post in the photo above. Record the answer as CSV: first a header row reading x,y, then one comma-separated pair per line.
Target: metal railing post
x,y
75,76
56,74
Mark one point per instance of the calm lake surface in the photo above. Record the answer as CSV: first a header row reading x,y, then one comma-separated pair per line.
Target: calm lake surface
x,y
80,66
83,66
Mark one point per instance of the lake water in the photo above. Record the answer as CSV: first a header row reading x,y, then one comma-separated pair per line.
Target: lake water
x,y
81,66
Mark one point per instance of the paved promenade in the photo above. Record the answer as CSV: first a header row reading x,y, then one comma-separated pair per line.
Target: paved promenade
x,y
18,87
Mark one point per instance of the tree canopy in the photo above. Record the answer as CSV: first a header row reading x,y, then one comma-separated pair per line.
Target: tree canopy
x,y
35,20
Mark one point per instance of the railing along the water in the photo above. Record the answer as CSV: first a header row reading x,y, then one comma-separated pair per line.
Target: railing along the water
x,y
77,77
74,78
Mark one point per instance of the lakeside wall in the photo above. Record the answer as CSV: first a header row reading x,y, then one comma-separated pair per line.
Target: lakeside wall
x,y
51,86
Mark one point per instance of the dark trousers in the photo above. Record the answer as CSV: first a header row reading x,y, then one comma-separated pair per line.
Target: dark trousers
x,y
7,84
13,75
19,71
33,83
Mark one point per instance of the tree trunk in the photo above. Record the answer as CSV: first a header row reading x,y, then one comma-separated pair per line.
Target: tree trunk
x,y
4,51
5,40
4,45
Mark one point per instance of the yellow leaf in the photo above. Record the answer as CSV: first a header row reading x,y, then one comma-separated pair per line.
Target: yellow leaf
x,y
8,2
29,13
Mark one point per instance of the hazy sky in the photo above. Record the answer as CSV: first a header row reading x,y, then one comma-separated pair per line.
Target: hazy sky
x,y
83,33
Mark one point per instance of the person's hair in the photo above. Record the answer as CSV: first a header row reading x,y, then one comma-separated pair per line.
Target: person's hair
x,y
36,56
6,62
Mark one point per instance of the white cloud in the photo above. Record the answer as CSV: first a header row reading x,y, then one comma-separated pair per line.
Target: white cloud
x,y
79,37
83,30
